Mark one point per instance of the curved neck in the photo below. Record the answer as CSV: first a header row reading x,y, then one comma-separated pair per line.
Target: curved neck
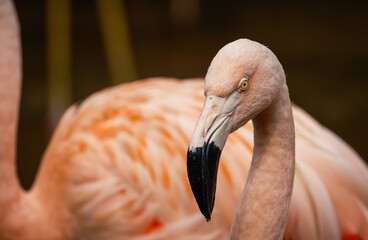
x,y
264,206
22,215
10,74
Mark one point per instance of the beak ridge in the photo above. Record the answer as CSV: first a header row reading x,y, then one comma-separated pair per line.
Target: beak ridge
x,y
203,156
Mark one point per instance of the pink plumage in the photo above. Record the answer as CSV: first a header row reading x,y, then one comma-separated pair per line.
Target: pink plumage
x,y
116,167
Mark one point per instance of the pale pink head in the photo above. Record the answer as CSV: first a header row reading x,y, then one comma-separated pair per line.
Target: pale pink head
x,y
240,59
242,80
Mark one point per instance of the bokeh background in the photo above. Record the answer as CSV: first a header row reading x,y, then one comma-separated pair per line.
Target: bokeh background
x,y
74,48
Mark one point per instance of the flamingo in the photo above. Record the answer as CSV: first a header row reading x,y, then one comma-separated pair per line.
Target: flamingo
x,y
115,167
305,168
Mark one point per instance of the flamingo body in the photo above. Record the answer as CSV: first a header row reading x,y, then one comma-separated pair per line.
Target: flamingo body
x,y
116,169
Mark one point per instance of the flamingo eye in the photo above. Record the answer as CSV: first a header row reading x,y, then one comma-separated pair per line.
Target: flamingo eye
x,y
243,84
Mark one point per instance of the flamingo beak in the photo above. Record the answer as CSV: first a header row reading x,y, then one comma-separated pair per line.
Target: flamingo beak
x,y
204,152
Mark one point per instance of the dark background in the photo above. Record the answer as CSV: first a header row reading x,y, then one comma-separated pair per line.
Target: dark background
x,y
322,46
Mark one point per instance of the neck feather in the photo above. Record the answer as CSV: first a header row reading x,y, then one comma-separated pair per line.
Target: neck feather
x,y
22,215
10,71
264,206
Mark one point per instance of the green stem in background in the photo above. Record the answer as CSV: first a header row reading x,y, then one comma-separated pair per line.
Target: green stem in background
x,y
58,58
116,38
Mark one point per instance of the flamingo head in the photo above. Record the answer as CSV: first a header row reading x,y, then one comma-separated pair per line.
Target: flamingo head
x,y
242,80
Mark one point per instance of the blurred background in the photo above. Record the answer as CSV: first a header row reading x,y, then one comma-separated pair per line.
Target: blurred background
x,y
74,48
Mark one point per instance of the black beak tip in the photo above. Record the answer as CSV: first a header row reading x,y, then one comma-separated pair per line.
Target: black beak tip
x,y
207,215
202,165
194,168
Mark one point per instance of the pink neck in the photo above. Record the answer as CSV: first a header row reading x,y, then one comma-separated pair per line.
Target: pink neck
x,y
264,206
10,74
22,215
